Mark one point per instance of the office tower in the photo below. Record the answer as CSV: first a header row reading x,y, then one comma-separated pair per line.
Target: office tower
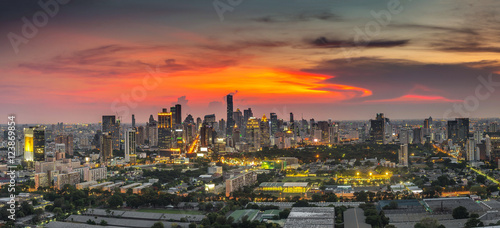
x,y
130,145
493,127
165,129
274,123
333,134
292,123
324,127
140,135
418,136
403,155
487,142
112,127
209,120
377,129
265,140
106,149
133,121
238,119
67,140
178,114
152,132
39,143
230,121
405,136
471,150
478,137
252,133
222,127
207,135
247,113
28,144
428,123
458,130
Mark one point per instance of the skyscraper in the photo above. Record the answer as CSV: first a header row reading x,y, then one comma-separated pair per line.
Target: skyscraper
x,y
458,130
230,121
130,145
39,143
274,123
152,132
247,113
265,140
28,144
106,148
253,134
178,114
403,155
377,129
471,150
165,129
112,127
133,121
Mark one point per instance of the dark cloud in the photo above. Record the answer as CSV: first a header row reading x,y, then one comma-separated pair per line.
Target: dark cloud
x,y
245,45
392,78
469,31
323,42
301,17
106,61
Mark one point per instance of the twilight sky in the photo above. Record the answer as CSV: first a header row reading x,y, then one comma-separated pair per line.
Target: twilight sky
x,y
323,59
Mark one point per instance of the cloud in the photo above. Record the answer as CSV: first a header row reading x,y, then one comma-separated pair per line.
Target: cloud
x,y
300,17
404,80
415,98
323,42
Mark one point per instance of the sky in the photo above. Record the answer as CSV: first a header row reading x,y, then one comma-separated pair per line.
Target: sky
x,y
73,61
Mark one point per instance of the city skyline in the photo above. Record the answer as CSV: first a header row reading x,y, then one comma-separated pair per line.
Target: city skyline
x,y
322,59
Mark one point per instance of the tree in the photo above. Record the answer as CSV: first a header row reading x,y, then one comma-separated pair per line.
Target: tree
x,y
427,223
115,201
103,223
158,225
460,213
192,225
481,179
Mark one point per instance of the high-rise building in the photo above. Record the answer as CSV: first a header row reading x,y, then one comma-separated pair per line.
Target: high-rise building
x,y
493,127
253,134
152,132
458,130
165,124
39,143
112,127
178,114
222,127
418,136
29,150
274,123
377,129
247,113
487,142
403,155
265,140
34,144
133,121
106,149
471,150
130,145
67,140
238,119
230,121
140,135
